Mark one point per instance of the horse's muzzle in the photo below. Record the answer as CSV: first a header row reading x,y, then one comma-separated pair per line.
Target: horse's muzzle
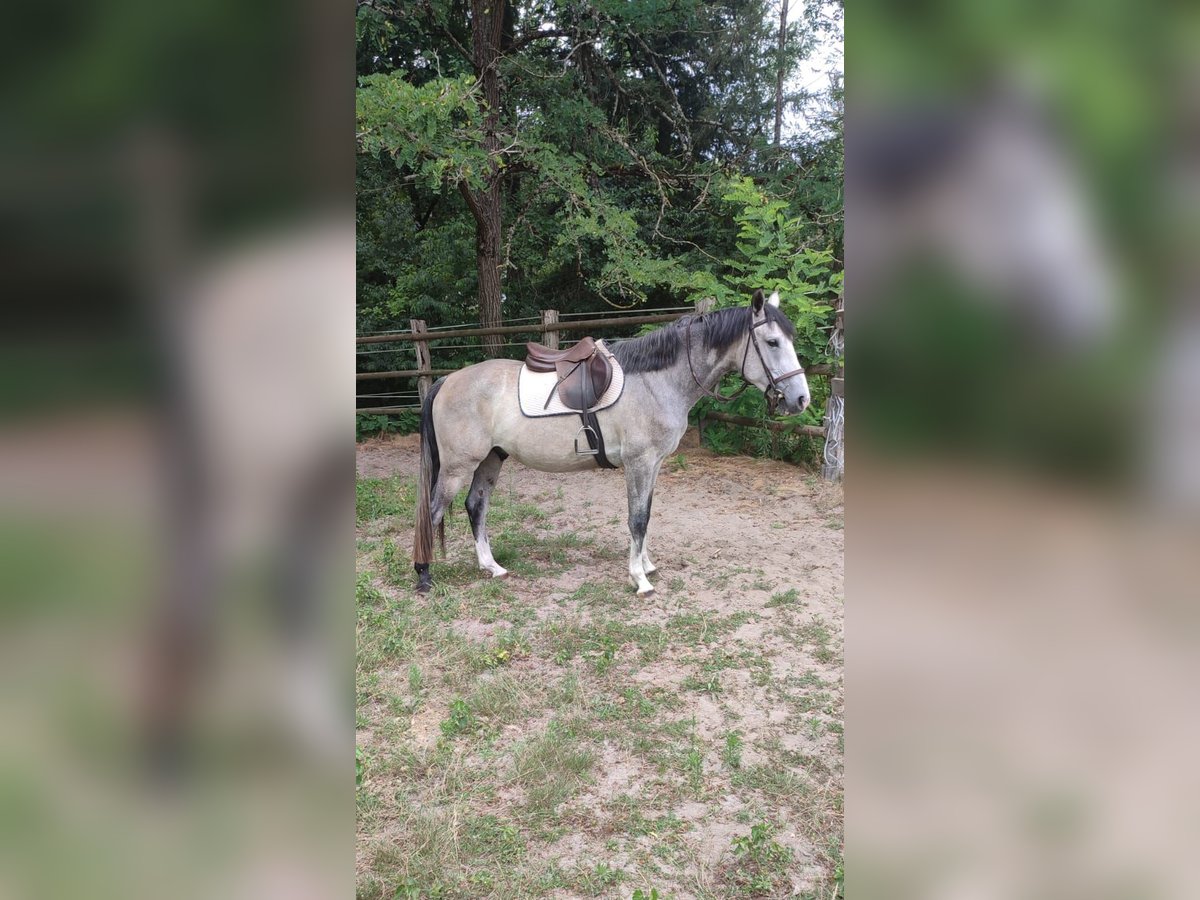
x,y
798,406
777,402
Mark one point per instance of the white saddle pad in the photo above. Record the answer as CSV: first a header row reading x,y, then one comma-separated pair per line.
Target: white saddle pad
x,y
534,387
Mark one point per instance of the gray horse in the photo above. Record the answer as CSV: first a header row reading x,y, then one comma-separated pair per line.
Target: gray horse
x,y
471,421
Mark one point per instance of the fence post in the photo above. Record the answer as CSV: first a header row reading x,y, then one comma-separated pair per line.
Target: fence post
x,y
834,465
424,382
550,338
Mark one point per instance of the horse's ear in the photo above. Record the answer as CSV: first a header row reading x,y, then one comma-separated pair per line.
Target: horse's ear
x,y
774,299
757,301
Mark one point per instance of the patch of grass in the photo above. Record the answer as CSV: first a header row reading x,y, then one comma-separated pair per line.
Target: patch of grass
x,y
706,683
703,628
605,654
495,839
593,593
785,598
817,634
567,692
376,498
732,753
562,642
550,766
772,781
592,880
498,696
415,680
760,867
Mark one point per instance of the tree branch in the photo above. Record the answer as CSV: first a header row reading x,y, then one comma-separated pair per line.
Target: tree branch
x,y
472,203
445,29
522,42
682,124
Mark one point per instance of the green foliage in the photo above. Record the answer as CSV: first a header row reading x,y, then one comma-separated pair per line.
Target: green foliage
x,y
434,130
368,424
770,254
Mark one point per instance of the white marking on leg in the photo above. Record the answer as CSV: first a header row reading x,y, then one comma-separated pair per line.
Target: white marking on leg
x,y
483,551
637,572
647,565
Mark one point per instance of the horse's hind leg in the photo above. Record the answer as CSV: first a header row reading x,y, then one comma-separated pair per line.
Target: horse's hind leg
x,y
478,499
448,486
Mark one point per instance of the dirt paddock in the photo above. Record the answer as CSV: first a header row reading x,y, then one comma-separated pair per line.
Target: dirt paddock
x,y
552,735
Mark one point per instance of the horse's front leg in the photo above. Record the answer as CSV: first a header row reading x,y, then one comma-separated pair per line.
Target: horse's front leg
x,y
640,475
648,565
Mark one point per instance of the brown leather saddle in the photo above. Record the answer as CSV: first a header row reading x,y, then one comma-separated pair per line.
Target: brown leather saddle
x,y
584,372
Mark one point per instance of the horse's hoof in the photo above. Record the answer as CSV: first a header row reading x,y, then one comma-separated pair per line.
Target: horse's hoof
x,y
423,588
643,595
500,575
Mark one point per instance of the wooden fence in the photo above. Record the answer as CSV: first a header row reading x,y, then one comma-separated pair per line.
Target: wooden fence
x,y
549,326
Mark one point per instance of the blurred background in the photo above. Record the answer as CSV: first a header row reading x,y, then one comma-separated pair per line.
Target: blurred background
x,y
176,204
1024,449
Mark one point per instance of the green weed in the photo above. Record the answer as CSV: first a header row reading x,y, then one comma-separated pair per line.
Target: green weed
x,y
732,754
461,720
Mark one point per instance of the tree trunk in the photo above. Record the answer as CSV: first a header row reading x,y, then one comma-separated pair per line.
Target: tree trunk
x,y
487,29
783,11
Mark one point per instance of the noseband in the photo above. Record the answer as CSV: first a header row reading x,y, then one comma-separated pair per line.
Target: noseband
x,y
772,393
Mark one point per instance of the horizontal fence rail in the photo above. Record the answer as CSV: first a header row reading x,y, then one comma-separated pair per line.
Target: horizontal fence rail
x,y
795,427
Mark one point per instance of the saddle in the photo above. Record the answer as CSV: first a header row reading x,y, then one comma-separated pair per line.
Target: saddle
x,y
584,373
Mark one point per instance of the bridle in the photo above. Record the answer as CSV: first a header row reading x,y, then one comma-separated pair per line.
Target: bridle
x,y
773,393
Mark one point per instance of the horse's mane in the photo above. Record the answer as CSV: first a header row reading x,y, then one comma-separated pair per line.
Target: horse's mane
x,y
717,330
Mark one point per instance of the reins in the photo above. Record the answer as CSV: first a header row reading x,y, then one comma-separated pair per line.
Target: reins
x,y
773,392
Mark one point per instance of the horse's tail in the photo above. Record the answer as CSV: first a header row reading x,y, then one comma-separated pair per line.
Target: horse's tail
x,y
427,484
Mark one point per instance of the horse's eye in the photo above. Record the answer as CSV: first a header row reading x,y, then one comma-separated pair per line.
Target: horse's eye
x,y
772,343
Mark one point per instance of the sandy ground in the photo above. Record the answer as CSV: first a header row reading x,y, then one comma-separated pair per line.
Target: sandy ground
x,y
728,534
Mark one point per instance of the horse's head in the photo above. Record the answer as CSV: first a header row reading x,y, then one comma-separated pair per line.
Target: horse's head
x,y
770,362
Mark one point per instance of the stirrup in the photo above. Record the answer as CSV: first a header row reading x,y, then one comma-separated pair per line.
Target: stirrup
x,y
589,450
